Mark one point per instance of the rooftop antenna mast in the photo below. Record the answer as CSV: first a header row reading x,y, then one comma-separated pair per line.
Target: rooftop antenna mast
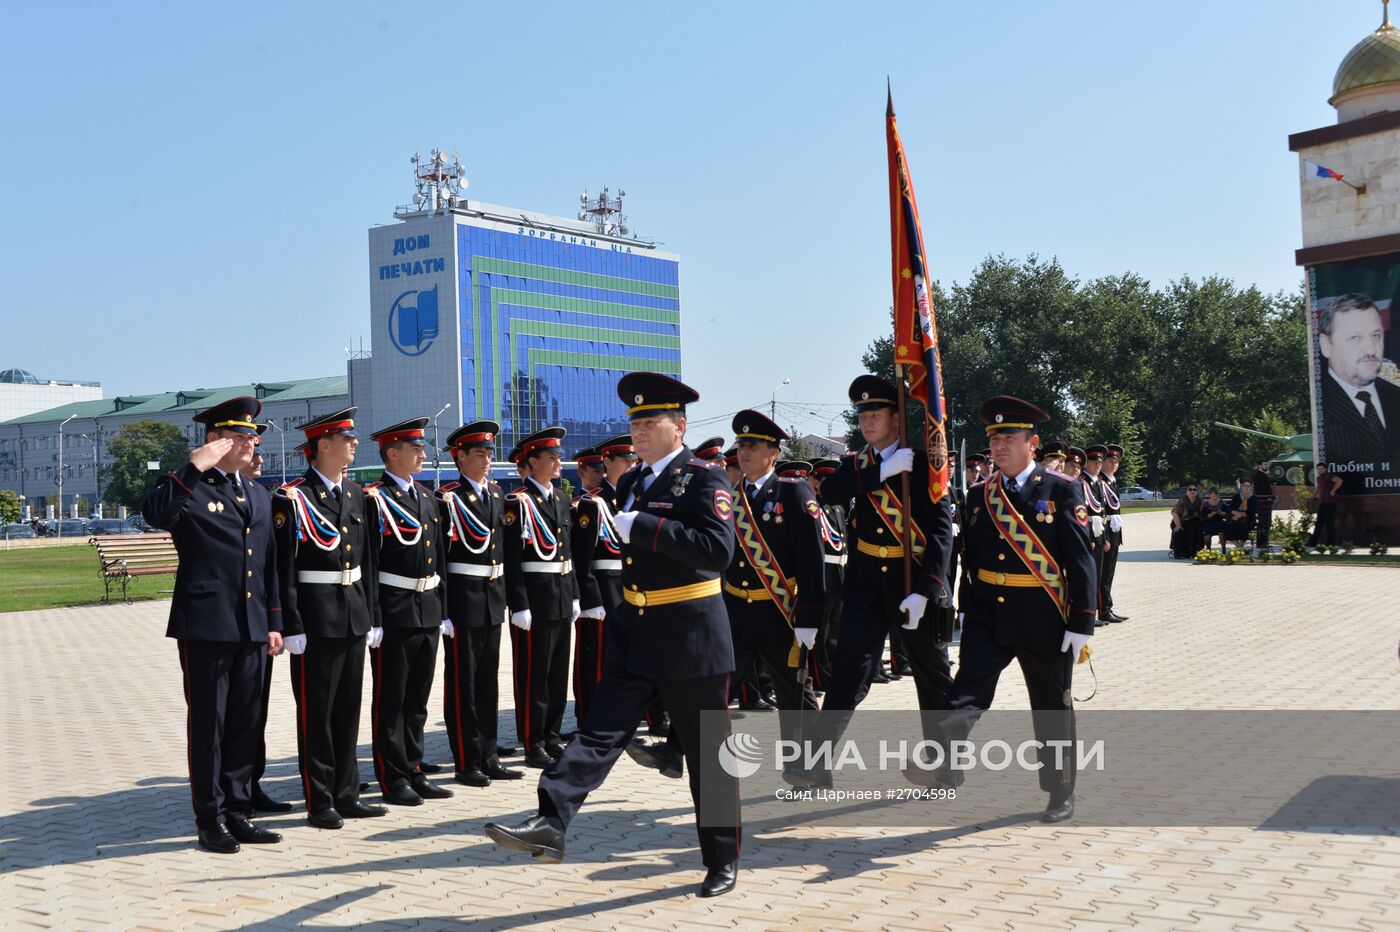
x,y
604,212
439,180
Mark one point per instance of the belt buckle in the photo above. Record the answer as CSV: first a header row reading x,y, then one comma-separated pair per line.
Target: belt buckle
x,y
884,552
345,579
1001,579
420,585
640,598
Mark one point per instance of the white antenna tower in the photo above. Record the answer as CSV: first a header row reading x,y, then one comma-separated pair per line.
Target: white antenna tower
x,y
439,181
604,212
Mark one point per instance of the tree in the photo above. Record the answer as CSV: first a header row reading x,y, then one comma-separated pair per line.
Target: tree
x,y
797,448
127,480
9,506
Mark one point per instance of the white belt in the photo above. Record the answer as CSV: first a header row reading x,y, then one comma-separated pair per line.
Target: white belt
x,y
477,569
330,577
838,558
614,566
534,566
409,582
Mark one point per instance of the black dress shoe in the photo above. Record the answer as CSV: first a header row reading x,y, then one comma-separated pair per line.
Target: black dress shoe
x,y
426,790
904,670
660,728
757,705
657,757
359,810
265,803
1059,811
1101,622
536,757
1117,618
496,771
240,827
506,750
554,749
474,777
430,768
720,880
325,818
535,835
402,796
218,840
880,677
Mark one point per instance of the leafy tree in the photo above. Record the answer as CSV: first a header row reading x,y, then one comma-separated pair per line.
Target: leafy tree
x,y
797,448
9,506
126,480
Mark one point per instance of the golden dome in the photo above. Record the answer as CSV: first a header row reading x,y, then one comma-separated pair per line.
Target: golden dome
x,y
1374,60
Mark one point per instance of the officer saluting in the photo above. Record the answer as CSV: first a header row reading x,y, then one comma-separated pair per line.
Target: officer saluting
x,y
1032,596
409,613
542,592
474,510
671,636
326,566
225,617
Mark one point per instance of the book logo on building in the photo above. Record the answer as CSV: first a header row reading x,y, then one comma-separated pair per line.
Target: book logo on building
x,y
413,321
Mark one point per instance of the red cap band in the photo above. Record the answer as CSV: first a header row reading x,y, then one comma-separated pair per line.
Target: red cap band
x,y
321,430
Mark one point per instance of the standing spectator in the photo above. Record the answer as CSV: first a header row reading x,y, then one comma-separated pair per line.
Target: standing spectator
x,y
1186,524
1242,513
1328,487
1264,492
1213,519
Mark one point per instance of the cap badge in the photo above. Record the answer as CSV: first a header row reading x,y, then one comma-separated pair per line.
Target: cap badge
x,y
1000,419
638,399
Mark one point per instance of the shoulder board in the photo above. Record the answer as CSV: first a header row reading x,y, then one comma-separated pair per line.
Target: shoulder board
x,y
515,496
371,486
448,486
790,480
491,483
700,464
1057,474
294,483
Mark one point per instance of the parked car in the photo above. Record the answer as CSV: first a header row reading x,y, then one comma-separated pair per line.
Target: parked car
x,y
1136,493
19,532
139,523
101,526
72,527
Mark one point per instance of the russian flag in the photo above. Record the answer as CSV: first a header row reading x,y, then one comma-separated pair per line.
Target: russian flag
x,y
1314,170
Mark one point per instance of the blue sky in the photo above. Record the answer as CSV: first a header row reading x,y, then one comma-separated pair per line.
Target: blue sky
x,y
189,185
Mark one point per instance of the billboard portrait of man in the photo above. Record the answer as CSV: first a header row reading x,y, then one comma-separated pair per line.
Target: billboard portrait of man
x,y
1360,410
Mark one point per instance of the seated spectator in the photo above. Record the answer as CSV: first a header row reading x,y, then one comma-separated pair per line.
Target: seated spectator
x,y
1243,513
1213,513
1186,524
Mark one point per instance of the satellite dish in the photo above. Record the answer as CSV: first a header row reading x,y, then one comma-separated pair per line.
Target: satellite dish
x,y
621,193
583,198
581,215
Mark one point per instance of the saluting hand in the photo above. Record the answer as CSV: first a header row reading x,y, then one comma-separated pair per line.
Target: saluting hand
x,y
208,456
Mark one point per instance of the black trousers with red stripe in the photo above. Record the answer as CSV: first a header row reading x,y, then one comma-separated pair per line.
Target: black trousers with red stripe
x,y
470,662
223,716
588,665
327,680
541,658
621,699
403,666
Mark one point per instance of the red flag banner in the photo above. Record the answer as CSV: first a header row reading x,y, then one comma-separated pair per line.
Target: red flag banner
x,y
915,328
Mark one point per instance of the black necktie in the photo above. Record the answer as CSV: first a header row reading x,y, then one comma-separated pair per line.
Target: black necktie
x,y
1372,417
642,478
335,493
752,490
1011,485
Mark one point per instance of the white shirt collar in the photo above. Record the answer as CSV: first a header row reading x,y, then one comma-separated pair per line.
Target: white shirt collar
x,y
404,484
326,479
546,490
479,488
660,465
1350,389
761,480
234,477
1024,474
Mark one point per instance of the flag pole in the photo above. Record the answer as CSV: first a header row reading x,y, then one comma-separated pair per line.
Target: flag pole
x,y
905,504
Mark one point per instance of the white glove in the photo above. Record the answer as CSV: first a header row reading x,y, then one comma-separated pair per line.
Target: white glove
x,y
623,522
597,612
447,630
807,637
521,620
294,643
1115,522
376,637
1096,525
914,604
899,461
574,611
957,529
1076,641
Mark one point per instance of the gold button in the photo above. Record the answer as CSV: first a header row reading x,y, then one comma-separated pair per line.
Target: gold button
x,y
741,564
430,561
884,569
641,611
1001,598
250,595
347,546
635,587
745,584
1001,556
347,566
247,530
250,553
250,574
345,530
629,563
493,562
879,530
427,543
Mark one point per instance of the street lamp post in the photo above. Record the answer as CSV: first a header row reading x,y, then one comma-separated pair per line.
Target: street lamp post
x,y
96,483
59,480
773,403
437,448
282,442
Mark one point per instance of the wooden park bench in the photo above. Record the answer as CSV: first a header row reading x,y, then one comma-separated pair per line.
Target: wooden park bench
x,y
125,557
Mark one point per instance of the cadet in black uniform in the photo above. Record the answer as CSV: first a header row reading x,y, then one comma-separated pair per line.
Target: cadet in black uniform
x,y
597,556
409,613
671,635
1032,597
711,450
775,586
261,801
1113,534
834,556
325,532
1095,501
1074,463
542,592
473,513
225,617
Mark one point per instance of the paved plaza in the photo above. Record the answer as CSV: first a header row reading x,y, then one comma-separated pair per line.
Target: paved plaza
x,y
97,831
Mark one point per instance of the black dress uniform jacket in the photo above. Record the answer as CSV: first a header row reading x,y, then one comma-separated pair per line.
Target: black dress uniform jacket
x,y
548,596
397,607
318,609
1027,617
682,535
599,581
787,515
226,588
870,578
475,601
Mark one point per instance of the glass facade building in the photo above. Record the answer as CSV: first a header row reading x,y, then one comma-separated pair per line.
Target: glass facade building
x,y
524,319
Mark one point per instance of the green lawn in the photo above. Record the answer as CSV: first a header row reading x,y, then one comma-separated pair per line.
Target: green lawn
x,y
57,577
